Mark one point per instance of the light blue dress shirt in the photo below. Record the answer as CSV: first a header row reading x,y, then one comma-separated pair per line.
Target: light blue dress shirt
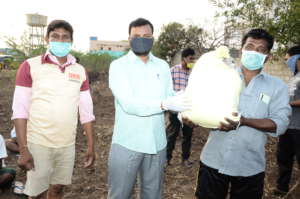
x,y
139,89
241,152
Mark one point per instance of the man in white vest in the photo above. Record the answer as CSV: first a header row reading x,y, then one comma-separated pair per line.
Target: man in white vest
x,y
50,89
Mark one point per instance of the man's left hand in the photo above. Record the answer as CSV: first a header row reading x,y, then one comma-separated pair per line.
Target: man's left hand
x,y
231,125
89,158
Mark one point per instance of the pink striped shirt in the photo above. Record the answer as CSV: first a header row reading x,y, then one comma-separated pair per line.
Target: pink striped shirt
x,y
180,77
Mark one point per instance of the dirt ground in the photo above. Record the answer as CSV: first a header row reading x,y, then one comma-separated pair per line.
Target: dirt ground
x,y
91,183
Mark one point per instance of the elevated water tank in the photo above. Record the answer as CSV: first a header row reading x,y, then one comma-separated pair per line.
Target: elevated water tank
x,y
36,20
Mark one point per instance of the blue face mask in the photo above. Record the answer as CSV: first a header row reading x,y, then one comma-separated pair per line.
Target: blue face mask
x,y
292,62
60,49
253,60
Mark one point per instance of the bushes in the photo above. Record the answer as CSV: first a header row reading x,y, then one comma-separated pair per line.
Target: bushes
x,y
94,62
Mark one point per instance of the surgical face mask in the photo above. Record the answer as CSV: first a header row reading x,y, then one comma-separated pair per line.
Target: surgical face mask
x,y
60,49
253,60
141,46
190,65
292,63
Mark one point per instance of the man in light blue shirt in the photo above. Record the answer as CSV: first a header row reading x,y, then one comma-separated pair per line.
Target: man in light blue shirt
x,y
142,86
234,155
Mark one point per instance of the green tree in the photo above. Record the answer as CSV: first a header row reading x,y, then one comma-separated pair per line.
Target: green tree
x,y
194,37
170,41
280,17
22,50
174,37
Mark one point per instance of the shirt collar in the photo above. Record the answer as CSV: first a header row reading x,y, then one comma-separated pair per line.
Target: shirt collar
x,y
261,74
51,59
133,56
249,87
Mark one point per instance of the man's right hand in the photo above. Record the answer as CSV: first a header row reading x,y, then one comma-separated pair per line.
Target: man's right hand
x,y
25,160
177,103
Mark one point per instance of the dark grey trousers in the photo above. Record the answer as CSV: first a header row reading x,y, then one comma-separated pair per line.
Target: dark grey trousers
x,y
124,166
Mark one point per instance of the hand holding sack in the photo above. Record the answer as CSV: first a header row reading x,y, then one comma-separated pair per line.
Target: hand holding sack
x,y
177,103
214,88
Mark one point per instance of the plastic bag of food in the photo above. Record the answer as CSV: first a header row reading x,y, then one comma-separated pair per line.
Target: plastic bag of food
x,y
214,88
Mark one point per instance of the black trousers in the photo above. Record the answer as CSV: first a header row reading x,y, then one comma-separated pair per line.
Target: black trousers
x,y
213,185
288,149
173,130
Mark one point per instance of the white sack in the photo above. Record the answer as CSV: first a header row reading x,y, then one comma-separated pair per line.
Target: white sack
x,y
214,88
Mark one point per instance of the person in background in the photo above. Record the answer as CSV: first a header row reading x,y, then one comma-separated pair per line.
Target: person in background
x,y
12,142
180,75
7,175
288,146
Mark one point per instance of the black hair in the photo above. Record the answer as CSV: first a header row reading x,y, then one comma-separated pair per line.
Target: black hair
x,y
60,24
187,52
293,50
140,22
77,59
259,34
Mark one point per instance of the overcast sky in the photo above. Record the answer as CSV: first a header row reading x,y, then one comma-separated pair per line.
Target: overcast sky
x,y
108,20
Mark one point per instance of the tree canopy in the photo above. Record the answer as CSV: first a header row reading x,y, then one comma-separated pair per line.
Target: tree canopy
x,y
280,17
174,37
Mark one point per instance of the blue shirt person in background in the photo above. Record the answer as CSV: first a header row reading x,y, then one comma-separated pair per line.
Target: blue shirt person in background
x,y
142,87
289,143
234,154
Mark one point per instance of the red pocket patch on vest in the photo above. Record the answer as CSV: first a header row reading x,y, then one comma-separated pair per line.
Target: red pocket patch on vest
x,y
74,77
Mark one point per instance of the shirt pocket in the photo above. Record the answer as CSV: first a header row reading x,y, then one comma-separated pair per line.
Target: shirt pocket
x,y
71,88
254,105
262,105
